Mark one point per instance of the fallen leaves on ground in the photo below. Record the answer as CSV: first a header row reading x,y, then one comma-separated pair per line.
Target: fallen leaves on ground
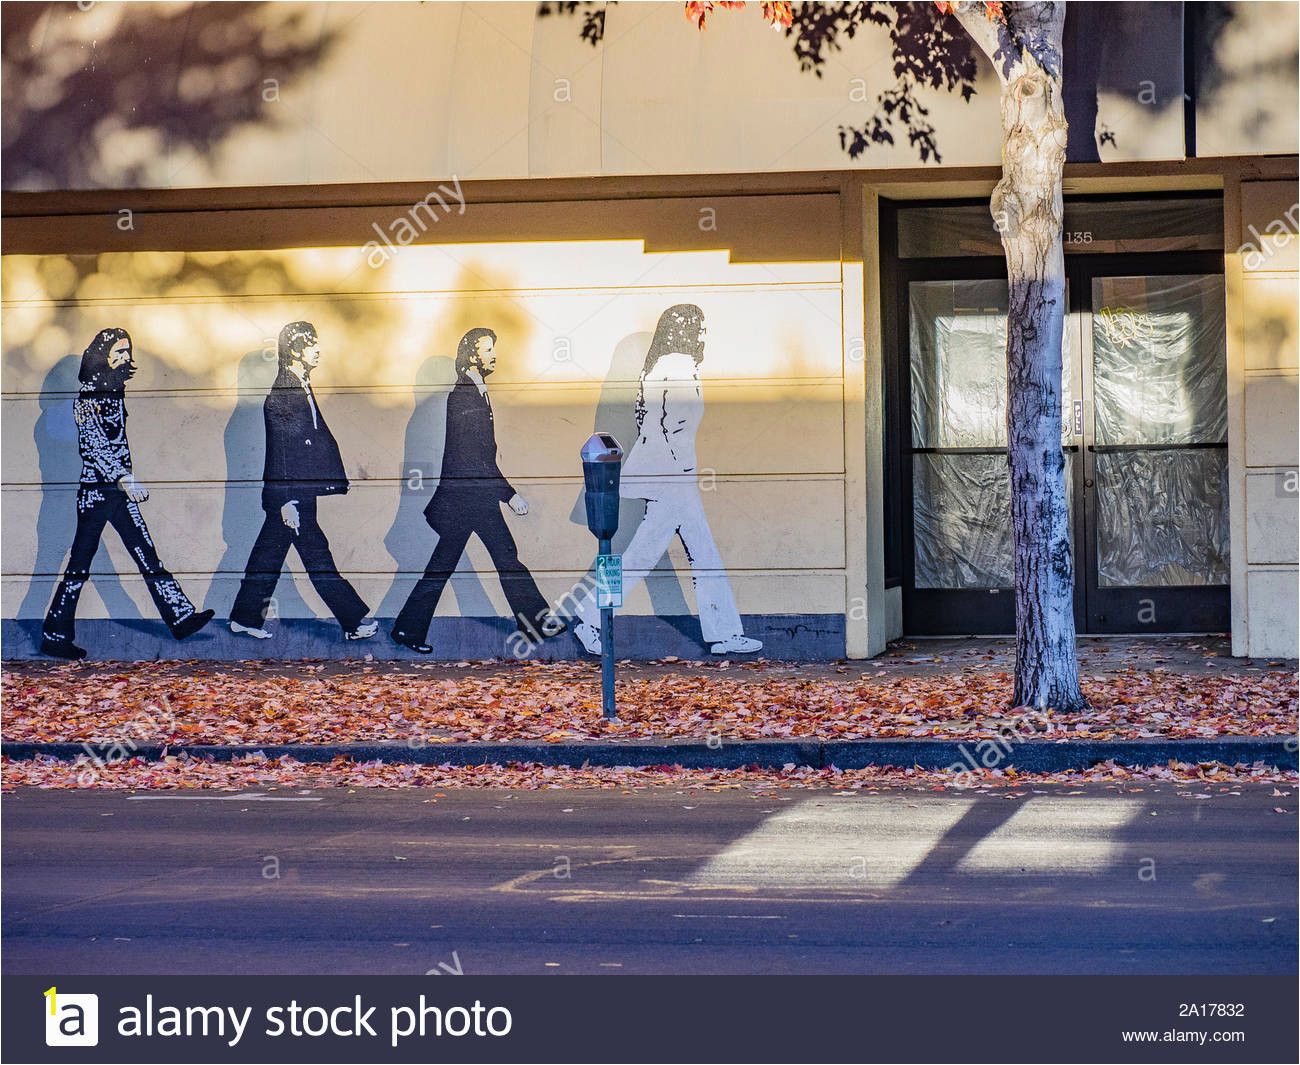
x,y
258,771
187,703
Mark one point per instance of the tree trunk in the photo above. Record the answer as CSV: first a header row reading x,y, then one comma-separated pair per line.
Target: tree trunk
x,y
1027,210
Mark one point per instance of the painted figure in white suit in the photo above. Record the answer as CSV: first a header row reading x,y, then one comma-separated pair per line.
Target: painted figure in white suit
x,y
661,469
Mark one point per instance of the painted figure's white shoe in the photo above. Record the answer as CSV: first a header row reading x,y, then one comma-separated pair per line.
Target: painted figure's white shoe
x,y
740,645
588,636
257,634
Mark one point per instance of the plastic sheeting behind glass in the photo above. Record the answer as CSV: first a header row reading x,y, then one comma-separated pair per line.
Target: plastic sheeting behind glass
x,y
1159,368
1162,517
958,334
962,520
958,340
962,502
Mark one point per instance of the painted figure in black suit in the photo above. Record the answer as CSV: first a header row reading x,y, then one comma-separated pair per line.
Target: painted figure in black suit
x,y
302,464
468,501
109,494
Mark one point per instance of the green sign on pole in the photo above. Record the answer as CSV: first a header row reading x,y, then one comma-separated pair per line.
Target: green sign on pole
x,y
609,581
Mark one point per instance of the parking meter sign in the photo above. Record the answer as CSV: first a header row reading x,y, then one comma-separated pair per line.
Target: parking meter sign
x,y
609,581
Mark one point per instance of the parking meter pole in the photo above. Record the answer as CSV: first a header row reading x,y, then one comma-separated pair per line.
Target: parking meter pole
x,y
602,459
607,651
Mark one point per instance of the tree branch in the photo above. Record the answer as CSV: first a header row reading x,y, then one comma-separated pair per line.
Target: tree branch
x,y
990,36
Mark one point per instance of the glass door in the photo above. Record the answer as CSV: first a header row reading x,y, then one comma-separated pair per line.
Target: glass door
x,y
1156,459
1143,428
1143,419
959,575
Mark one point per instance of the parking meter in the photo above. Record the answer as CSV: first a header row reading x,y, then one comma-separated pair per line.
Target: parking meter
x,y
601,463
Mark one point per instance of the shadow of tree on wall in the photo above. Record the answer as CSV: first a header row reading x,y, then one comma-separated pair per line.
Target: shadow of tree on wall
x,y
94,95
1213,76
593,17
931,51
222,280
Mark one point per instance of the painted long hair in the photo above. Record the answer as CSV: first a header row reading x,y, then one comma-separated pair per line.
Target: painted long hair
x,y
293,338
678,332
467,349
94,360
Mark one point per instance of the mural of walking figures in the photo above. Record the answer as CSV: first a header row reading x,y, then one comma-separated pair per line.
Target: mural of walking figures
x,y
468,501
661,469
302,464
109,494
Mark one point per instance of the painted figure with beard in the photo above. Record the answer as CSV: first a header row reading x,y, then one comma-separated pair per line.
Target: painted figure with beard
x,y
109,494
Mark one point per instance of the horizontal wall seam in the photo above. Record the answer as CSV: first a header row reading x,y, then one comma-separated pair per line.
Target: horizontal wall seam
x,y
413,574
631,384
1210,171
387,295
107,202
828,476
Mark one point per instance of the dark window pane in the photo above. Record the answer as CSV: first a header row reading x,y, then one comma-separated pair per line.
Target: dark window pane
x,y
1193,224
1144,225
941,231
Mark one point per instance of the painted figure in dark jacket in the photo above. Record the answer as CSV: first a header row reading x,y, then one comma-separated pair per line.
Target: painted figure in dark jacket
x,y
109,494
302,464
468,501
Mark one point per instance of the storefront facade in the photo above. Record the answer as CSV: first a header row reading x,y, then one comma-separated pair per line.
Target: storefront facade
x,y
411,174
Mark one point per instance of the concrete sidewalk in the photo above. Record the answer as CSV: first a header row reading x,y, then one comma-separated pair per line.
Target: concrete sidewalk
x,y
1196,655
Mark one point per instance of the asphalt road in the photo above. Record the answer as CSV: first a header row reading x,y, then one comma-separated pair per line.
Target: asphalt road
x,y
1070,880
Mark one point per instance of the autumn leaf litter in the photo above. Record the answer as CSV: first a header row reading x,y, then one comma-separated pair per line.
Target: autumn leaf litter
x,y
258,771
202,703
185,704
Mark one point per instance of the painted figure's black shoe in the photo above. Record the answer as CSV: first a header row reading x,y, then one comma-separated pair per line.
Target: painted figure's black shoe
x,y
553,627
411,642
366,628
547,629
192,624
60,647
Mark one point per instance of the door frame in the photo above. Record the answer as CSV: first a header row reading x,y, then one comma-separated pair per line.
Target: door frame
x,y
958,612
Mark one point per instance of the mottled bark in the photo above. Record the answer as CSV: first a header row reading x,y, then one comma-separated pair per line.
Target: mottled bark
x,y
1027,209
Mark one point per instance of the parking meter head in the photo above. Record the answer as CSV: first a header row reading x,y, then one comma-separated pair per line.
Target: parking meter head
x,y
601,462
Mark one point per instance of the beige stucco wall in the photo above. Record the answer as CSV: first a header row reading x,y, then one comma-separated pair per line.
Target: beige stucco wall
x,y
1247,103
1264,338
164,95
574,320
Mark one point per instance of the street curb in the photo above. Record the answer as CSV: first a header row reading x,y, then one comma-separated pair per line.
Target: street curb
x,y
1039,756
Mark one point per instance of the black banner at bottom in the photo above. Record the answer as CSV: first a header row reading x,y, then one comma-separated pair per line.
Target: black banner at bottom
x,y
650,1019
